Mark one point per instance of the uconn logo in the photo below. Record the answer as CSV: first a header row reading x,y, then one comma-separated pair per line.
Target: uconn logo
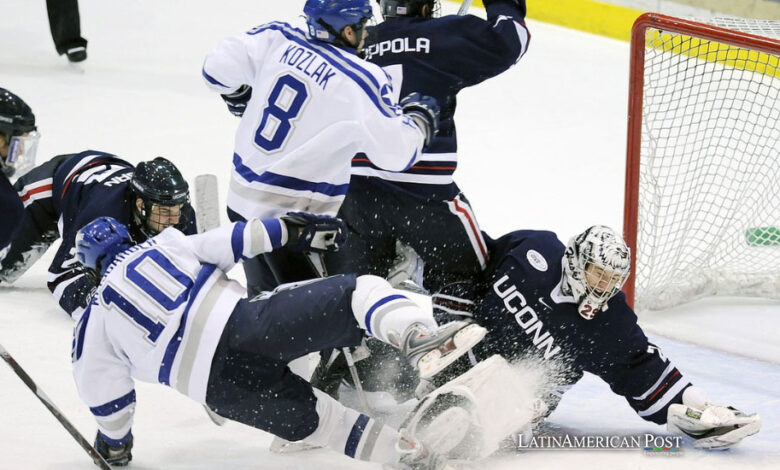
x,y
525,316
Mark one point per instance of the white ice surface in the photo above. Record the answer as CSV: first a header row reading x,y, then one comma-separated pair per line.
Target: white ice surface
x,y
541,146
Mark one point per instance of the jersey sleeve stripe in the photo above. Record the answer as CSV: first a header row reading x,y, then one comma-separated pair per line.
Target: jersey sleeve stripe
x,y
288,182
237,240
665,399
274,229
650,390
211,79
164,375
347,67
114,406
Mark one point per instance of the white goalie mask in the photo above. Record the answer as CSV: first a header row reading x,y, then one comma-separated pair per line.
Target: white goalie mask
x,y
595,265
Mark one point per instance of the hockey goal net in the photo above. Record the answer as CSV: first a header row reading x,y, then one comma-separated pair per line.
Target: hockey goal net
x,y
702,207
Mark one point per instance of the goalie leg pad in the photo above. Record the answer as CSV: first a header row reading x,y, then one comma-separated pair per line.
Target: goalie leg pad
x,y
497,399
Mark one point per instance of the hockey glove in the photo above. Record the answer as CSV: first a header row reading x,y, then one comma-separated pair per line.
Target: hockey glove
x,y
317,233
236,101
117,456
424,110
710,426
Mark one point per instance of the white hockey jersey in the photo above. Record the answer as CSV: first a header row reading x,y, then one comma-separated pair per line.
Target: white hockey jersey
x,y
313,107
158,315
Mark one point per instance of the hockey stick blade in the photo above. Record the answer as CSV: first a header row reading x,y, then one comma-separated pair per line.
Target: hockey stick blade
x,y
464,7
96,457
206,202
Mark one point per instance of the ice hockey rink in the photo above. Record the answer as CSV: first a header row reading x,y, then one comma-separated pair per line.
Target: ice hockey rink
x,y
541,146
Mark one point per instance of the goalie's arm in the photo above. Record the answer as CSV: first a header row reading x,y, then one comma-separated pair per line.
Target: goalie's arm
x,y
637,369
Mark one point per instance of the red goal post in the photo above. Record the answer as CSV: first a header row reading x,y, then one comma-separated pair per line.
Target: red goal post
x,y
703,119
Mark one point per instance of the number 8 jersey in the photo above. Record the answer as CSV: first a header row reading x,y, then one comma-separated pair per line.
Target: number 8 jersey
x,y
313,107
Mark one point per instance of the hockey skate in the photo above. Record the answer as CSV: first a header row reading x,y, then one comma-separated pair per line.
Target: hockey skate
x,y
431,352
417,456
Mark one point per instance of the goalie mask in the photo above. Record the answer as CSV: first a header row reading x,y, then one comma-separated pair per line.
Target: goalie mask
x,y
595,265
164,195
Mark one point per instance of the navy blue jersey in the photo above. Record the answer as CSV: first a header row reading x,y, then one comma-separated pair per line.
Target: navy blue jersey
x,y
439,57
527,314
12,211
73,190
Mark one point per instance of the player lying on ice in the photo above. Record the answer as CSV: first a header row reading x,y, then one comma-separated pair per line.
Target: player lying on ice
x,y
166,312
562,306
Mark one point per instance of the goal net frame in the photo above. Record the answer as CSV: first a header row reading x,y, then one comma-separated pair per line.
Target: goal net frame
x,y
666,24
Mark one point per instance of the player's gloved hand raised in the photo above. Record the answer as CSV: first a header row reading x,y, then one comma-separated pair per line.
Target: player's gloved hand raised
x,y
425,112
236,101
117,456
317,233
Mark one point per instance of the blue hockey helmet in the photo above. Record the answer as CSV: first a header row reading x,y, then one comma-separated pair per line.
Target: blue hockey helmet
x,y
326,18
98,243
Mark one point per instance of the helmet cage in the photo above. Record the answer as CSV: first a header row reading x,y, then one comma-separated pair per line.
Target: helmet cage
x,y
596,264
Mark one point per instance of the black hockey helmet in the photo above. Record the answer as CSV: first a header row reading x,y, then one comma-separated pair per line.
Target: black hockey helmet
x,y
159,183
394,8
17,127
16,118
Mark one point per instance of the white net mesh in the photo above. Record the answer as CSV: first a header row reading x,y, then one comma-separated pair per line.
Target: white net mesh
x,y
709,197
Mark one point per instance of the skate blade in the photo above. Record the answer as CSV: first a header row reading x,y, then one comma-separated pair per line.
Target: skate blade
x,y
435,361
281,446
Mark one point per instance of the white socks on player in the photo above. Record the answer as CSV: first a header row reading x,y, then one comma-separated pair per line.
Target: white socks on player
x,y
351,433
384,312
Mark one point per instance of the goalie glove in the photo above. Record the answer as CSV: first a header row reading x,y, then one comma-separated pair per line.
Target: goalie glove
x,y
116,456
424,110
236,101
710,426
314,233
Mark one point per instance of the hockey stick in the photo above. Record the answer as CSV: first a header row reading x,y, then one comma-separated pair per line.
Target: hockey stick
x,y
206,202
207,218
318,265
464,7
96,457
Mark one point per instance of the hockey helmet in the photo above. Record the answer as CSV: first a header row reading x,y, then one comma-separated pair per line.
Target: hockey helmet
x,y
327,18
394,8
164,192
596,264
17,125
98,243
